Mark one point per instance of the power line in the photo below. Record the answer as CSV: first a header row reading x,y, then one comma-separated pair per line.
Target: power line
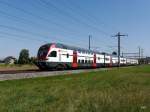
x,y
73,18
64,13
32,14
60,25
21,37
89,16
20,30
26,12
22,20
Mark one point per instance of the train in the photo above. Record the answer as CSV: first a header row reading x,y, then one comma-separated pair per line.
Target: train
x,y
60,56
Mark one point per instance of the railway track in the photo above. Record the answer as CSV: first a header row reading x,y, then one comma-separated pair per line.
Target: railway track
x,y
22,74
19,71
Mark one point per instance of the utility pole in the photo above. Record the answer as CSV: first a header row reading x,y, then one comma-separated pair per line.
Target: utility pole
x,y
139,55
90,36
122,54
119,35
142,52
139,52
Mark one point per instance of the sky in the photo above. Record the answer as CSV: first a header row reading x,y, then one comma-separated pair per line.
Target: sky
x,y
28,24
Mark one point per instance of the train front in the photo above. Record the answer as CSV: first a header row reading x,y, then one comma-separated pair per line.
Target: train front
x,y
43,62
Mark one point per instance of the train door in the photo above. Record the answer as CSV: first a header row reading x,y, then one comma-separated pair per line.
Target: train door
x,y
74,62
94,61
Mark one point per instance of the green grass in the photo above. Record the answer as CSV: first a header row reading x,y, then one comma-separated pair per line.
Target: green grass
x,y
117,90
16,67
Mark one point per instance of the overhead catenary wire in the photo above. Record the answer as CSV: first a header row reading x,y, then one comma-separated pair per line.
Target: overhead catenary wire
x,y
20,30
65,13
48,3
84,15
88,15
21,37
31,14
75,33
40,17
34,15
26,22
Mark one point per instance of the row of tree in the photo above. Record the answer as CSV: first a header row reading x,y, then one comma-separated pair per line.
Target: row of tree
x,y
24,58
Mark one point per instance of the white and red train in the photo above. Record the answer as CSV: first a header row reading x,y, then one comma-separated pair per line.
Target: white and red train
x,y
60,56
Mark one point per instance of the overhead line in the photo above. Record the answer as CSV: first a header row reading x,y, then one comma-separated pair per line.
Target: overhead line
x,y
48,3
20,20
23,37
21,30
30,13
27,12
87,14
73,18
62,26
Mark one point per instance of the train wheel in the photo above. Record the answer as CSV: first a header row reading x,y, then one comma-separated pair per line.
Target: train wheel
x,y
60,67
42,68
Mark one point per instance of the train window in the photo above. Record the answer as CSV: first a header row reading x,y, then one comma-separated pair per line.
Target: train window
x,y
53,54
123,60
86,61
107,59
79,61
67,55
82,61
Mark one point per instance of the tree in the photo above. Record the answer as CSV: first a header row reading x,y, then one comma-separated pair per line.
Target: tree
x,y
24,57
114,53
33,60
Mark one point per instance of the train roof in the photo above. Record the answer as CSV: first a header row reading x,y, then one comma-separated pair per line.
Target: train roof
x,y
64,46
72,47
59,45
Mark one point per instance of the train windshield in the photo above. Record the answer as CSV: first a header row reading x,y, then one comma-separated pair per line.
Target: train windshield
x,y
42,53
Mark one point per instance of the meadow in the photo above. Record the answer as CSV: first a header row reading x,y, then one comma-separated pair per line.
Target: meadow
x,y
7,67
116,90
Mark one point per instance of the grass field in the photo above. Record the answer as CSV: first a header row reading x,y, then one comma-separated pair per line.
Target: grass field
x,y
117,90
7,67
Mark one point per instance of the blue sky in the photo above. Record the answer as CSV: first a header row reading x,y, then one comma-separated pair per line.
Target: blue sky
x,y
31,23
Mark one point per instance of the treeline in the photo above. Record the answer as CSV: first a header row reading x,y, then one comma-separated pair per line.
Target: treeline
x,y
24,58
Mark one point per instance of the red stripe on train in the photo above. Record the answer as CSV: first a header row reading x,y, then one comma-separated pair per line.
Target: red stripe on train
x,y
94,62
74,63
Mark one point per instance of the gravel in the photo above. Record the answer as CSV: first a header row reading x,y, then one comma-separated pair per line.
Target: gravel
x,y
24,75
